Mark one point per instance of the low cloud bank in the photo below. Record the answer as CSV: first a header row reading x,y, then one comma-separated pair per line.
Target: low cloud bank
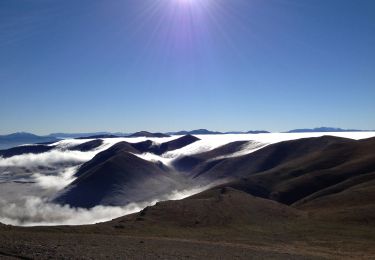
x,y
55,182
35,211
47,159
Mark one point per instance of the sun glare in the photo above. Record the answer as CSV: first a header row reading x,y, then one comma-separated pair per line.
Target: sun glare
x,y
186,2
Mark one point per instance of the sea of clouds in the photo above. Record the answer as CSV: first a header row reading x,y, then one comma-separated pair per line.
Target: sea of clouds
x,y
29,181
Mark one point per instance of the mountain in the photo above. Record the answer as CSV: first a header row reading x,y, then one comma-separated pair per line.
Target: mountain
x,y
322,130
208,132
117,176
327,173
41,148
201,162
121,179
196,132
258,132
173,145
25,149
148,134
11,140
328,178
87,146
99,136
77,135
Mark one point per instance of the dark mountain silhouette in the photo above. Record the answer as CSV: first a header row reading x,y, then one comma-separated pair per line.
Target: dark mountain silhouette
x,y
119,180
99,136
77,135
204,160
101,157
136,148
270,157
41,148
300,171
258,132
11,140
174,144
116,176
208,132
148,134
26,149
196,132
87,146
323,129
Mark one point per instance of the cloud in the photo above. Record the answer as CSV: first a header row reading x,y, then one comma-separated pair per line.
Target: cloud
x,y
55,182
47,159
36,211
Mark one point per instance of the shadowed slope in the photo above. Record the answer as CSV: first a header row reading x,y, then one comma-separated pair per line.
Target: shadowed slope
x,y
216,207
208,159
105,155
176,144
87,146
119,180
135,148
272,156
158,149
349,201
117,176
334,165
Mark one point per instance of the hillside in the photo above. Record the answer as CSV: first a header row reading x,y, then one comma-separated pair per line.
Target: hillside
x,y
213,208
117,176
119,180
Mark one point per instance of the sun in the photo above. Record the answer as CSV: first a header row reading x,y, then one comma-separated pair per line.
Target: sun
x,y
186,2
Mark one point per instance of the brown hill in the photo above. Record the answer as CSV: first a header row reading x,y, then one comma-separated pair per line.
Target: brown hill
x,y
217,207
335,179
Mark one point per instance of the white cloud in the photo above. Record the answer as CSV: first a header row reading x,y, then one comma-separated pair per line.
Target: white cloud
x,y
55,182
35,211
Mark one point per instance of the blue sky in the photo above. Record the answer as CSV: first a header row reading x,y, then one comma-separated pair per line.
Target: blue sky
x,y
163,65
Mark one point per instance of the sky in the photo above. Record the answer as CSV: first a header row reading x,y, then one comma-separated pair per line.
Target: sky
x,y
167,65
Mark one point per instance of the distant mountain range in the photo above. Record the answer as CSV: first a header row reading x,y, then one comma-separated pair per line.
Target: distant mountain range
x,y
80,135
148,134
11,140
208,132
324,129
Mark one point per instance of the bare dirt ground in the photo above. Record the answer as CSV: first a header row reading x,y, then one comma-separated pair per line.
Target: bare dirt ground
x,y
105,242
